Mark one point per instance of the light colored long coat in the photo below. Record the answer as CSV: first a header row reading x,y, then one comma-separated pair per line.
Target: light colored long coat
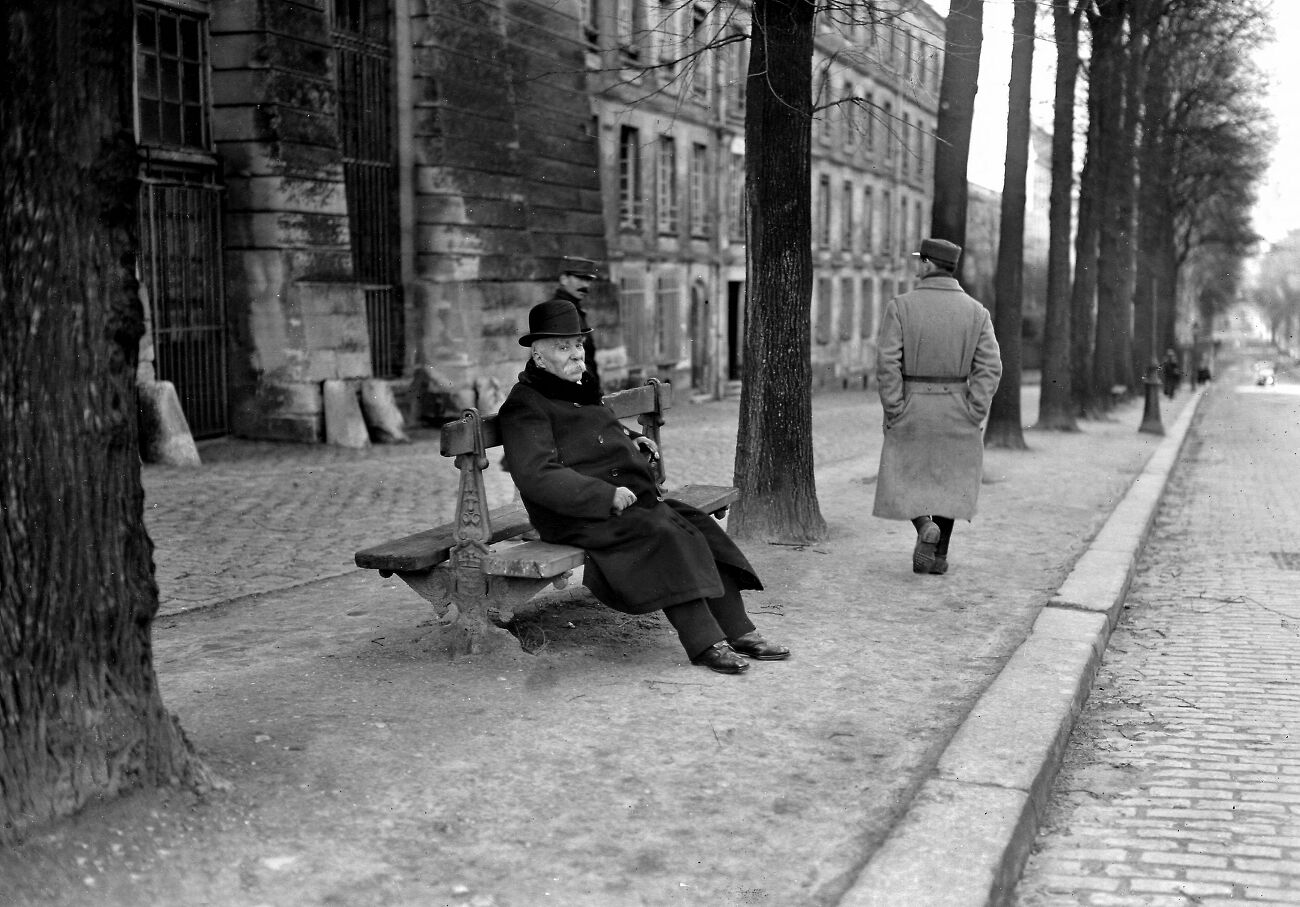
x,y
932,459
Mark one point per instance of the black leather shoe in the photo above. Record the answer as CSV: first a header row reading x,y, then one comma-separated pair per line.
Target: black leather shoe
x,y
752,645
927,542
722,658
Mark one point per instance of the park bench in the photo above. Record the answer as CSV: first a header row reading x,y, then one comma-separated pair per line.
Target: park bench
x,y
479,568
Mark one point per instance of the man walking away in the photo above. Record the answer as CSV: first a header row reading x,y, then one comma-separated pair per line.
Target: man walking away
x,y
937,367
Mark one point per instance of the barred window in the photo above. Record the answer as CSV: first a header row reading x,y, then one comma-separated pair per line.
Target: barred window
x,y
700,182
666,184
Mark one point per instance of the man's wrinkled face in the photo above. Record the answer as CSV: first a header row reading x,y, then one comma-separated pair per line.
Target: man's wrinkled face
x,y
578,285
561,356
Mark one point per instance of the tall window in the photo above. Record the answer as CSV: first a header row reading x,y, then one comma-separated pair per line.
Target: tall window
x,y
589,20
867,321
871,122
846,308
666,185
667,308
667,37
849,113
846,217
700,182
701,60
738,214
737,62
907,144
631,203
887,228
823,327
868,221
824,211
171,83
823,116
630,25
890,142
920,229
903,233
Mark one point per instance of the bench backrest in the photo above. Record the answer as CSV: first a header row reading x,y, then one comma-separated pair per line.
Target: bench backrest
x,y
647,403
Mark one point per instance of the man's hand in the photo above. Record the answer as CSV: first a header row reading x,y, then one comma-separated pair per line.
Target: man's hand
x,y
623,498
647,445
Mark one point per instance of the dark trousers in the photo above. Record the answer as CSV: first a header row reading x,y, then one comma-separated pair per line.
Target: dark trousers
x,y
945,524
701,623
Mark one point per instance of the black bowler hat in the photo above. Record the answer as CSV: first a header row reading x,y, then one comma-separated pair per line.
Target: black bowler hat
x,y
940,251
553,318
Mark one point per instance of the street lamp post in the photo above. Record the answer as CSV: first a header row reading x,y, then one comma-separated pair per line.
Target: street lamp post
x,y
1151,423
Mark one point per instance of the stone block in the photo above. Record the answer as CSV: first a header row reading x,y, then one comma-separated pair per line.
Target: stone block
x,y
164,431
382,415
345,426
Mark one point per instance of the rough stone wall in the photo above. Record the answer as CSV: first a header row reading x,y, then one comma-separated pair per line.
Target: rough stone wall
x,y
506,177
297,318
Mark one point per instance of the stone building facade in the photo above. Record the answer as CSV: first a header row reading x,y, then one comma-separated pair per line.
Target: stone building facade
x,y
348,193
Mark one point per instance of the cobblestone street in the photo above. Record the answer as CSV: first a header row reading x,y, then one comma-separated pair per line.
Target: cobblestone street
x,y
1181,785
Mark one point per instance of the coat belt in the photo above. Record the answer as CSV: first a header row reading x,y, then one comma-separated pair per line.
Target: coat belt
x,y
935,379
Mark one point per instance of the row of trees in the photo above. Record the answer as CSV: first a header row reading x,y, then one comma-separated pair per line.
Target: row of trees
x,y
1176,142
1166,101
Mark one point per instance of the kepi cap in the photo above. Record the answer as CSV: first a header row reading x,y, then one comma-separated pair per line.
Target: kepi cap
x,y
940,251
553,318
579,267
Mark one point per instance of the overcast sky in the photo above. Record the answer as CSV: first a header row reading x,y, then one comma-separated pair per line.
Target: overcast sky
x,y
1279,207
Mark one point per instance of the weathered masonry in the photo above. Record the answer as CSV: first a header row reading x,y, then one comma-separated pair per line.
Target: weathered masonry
x,y
346,198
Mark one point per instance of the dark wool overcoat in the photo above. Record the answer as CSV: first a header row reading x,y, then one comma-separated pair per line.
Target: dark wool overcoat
x,y
566,452
932,457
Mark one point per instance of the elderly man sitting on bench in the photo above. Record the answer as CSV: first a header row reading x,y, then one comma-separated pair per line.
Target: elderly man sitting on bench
x,y
586,480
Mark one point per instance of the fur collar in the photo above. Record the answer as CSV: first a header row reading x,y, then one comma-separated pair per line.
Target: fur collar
x,y
556,388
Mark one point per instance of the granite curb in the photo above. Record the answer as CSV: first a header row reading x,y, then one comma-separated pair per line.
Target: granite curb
x,y
964,838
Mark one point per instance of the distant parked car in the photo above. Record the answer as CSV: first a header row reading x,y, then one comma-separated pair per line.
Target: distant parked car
x,y
1264,374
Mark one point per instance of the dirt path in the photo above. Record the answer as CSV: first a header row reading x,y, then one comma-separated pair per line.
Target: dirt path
x,y
603,771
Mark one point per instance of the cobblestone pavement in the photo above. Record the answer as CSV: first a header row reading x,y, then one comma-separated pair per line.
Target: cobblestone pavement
x,y
1181,785
258,517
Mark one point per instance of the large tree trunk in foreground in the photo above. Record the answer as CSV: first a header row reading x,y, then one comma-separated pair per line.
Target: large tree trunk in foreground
x,y
1056,402
961,70
1004,428
80,712
774,454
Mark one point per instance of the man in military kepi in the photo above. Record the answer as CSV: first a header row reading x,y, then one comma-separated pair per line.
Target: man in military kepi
x,y
576,276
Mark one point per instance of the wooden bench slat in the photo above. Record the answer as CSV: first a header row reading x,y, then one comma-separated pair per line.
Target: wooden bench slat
x,y
534,560
433,546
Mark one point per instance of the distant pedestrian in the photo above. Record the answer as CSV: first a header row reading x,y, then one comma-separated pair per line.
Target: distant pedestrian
x,y
576,277
937,367
1170,372
1204,371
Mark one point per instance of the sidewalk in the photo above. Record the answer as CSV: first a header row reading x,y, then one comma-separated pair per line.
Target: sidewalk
x,y
605,771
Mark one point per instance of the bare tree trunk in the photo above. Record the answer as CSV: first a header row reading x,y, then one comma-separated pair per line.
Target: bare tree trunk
x,y
1056,402
1004,428
961,69
80,712
1083,294
1112,360
774,453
